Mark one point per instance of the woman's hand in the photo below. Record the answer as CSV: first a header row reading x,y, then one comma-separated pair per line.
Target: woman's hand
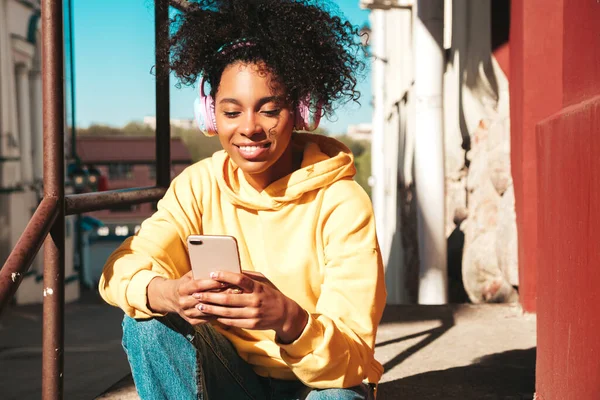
x,y
260,305
175,296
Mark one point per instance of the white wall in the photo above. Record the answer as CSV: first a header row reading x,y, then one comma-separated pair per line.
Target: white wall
x,y
477,183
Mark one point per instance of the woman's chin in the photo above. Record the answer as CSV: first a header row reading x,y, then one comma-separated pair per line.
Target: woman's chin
x,y
252,167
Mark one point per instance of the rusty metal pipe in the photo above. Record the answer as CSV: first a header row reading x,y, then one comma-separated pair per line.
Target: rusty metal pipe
x,y
54,186
82,203
18,262
163,123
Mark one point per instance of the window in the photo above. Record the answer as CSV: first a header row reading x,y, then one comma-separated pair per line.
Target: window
x,y
152,171
120,171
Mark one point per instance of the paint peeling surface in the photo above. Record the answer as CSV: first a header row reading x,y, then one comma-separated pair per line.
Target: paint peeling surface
x,y
48,292
14,276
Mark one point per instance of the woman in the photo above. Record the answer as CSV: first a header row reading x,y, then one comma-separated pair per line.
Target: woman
x,y
303,320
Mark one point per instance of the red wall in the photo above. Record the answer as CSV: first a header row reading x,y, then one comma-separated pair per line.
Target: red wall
x,y
568,311
535,93
581,48
567,255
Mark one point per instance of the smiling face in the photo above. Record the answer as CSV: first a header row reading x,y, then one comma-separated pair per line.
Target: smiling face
x,y
254,125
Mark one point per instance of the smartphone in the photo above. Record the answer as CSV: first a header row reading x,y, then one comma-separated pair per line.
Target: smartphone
x,y
210,253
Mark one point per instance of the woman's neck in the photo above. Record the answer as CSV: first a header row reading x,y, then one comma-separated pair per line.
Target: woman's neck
x,y
290,161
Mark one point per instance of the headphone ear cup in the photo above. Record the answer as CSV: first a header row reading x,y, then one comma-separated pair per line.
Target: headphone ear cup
x,y
304,118
199,116
209,112
204,112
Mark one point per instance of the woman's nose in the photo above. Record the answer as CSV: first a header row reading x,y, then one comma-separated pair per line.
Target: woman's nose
x,y
250,125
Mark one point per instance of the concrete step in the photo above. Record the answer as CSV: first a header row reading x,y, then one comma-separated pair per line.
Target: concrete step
x,y
449,352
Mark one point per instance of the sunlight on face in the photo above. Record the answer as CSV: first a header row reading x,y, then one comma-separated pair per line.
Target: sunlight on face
x,y
254,124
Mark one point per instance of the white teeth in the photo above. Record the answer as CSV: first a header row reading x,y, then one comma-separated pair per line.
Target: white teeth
x,y
250,148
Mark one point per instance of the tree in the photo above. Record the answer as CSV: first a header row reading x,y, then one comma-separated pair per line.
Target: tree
x,y
356,146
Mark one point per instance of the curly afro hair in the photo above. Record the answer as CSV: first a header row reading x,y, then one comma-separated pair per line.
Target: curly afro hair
x,y
303,44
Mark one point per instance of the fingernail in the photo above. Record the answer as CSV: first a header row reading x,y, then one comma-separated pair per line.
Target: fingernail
x,y
200,307
213,275
197,295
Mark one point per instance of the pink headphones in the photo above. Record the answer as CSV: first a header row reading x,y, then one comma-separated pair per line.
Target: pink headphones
x,y
204,113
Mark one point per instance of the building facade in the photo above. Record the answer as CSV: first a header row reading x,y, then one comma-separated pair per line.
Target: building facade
x,y
178,123
360,132
127,162
21,140
122,162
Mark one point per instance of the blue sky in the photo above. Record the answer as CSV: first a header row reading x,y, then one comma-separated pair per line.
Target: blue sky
x,y
114,52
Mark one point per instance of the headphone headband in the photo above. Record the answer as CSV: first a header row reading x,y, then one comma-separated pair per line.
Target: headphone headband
x,y
235,44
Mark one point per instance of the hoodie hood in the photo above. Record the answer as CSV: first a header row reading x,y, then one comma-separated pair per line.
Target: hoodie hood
x,y
325,161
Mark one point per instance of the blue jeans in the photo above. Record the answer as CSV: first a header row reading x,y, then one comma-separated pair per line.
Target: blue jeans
x,y
170,359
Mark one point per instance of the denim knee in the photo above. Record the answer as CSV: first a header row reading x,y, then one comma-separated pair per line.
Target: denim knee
x,y
356,393
150,332
162,359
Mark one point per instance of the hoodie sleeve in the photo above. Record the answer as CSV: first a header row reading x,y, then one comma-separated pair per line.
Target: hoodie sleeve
x,y
336,348
158,249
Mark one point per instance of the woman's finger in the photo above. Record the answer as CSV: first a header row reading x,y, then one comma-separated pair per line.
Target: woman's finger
x,y
187,302
242,281
229,312
227,299
251,323
258,277
199,321
194,312
200,285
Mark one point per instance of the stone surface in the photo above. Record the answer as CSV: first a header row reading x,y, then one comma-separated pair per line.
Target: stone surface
x,y
506,244
456,200
489,262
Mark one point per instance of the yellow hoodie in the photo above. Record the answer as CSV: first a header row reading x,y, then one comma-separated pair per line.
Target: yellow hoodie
x,y
311,233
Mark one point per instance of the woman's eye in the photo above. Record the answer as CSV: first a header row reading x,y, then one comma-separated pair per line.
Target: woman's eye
x,y
231,114
272,113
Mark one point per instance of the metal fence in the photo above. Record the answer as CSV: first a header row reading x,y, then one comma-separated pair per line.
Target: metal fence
x,y
48,221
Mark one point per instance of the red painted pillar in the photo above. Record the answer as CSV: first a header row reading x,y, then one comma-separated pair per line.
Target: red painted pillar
x,y
568,161
535,93
568,310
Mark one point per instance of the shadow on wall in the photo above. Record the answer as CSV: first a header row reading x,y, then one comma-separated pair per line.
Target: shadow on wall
x,y
456,287
406,236
500,376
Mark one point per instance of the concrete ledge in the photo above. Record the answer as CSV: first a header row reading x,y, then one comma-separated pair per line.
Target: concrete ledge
x,y
462,352
122,390
457,352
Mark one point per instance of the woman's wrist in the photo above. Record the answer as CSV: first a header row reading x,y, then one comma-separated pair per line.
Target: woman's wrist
x,y
293,325
157,295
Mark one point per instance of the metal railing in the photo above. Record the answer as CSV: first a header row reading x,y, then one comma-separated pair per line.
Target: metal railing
x,y
48,221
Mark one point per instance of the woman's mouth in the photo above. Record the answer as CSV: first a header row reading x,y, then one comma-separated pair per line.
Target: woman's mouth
x,y
253,152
